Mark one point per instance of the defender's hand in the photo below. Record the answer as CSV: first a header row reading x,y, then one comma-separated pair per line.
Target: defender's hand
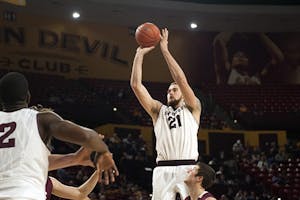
x,y
108,167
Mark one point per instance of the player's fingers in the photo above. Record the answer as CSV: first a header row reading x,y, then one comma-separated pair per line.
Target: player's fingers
x,y
163,32
115,170
112,175
101,136
100,176
106,177
150,48
161,37
98,172
166,33
98,166
147,49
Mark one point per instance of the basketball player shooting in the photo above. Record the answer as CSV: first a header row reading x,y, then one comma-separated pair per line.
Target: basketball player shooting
x,y
175,125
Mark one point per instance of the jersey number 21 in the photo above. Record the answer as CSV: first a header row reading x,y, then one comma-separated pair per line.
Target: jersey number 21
x,y
174,122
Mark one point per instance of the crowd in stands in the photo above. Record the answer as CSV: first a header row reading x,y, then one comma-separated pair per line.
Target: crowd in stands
x,y
250,173
134,182
224,106
259,173
250,105
88,95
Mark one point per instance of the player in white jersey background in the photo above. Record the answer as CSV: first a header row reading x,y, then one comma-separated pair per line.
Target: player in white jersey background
x,y
23,135
175,125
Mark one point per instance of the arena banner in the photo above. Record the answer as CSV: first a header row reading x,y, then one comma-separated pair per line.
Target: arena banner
x,y
72,49
77,49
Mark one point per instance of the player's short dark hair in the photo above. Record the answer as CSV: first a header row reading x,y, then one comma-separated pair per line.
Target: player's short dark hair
x,y
208,174
13,88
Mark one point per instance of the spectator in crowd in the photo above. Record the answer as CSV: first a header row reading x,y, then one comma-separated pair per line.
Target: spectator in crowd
x,y
237,147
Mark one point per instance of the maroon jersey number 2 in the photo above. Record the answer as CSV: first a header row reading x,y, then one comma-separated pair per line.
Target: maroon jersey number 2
x,y
5,131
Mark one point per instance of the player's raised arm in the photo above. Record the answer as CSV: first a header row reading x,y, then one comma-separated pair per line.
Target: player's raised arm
x,y
151,105
179,77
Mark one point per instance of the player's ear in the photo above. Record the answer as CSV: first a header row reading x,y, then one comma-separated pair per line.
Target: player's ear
x,y
199,179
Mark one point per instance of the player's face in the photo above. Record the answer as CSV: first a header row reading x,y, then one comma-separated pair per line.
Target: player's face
x,y
174,95
240,59
191,177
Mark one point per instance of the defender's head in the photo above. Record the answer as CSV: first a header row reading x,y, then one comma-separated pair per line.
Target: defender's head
x,y
14,89
201,174
174,95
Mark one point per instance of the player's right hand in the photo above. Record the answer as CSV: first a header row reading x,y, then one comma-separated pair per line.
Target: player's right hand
x,y
144,50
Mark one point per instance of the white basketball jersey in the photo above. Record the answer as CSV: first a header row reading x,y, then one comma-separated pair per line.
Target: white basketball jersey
x,y
176,134
23,156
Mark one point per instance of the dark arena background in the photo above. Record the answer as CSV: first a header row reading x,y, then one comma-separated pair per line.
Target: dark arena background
x,y
80,67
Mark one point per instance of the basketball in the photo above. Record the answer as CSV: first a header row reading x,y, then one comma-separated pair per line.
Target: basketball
x,y
147,35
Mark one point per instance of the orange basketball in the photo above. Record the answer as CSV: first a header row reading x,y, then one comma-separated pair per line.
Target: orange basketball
x,y
147,35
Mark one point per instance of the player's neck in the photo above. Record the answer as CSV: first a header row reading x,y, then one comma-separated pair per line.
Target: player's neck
x,y
196,192
17,106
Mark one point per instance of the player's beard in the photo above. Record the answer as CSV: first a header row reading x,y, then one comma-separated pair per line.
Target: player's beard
x,y
175,102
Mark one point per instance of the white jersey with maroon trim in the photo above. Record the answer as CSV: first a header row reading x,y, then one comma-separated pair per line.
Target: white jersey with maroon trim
x,y
23,156
176,134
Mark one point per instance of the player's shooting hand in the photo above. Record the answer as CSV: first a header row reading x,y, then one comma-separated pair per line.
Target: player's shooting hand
x,y
164,39
144,50
108,167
